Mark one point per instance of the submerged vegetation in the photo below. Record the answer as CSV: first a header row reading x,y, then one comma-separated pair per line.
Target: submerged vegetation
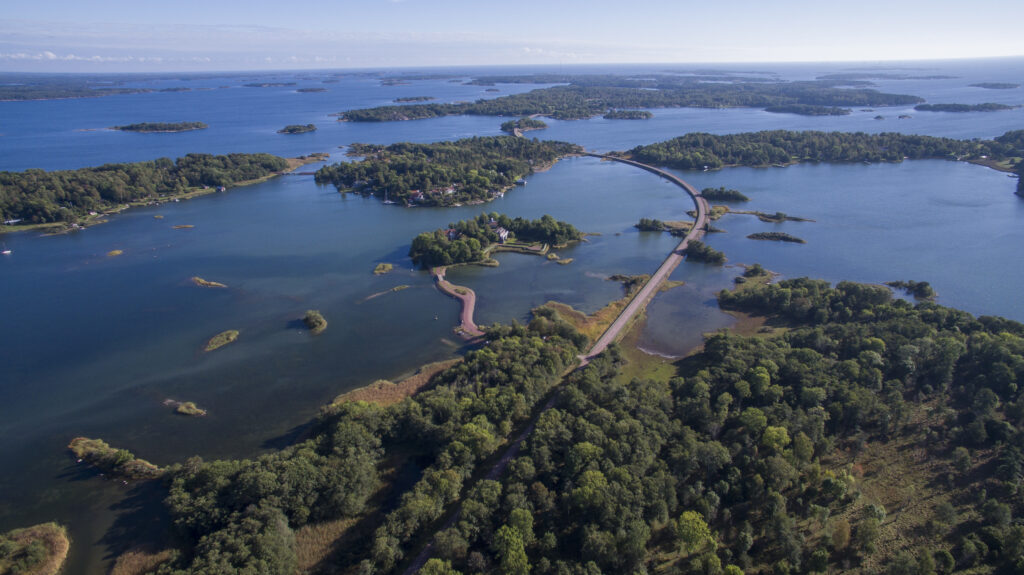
x,y
207,284
189,408
382,268
443,173
119,462
35,196
221,339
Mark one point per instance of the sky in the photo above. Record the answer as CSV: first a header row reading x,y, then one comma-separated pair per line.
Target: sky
x,y
211,35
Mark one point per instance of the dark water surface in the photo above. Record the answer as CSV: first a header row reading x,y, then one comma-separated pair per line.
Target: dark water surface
x,y
92,345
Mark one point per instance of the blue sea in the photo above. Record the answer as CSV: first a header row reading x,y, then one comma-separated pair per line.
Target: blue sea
x,y
94,344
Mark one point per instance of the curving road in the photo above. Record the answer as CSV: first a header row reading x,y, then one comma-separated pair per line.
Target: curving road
x,y
654,284
614,330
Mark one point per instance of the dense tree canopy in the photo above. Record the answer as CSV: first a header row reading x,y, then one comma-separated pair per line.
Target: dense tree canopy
x,y
443,173
781,147
470,240
36,196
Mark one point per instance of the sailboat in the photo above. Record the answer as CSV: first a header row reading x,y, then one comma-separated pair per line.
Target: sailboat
x,y
6,251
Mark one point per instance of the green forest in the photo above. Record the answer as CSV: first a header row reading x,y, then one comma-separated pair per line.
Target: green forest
x,y
987,107
443,173
470,240
36,196
162,127
782,147
854,433
588,96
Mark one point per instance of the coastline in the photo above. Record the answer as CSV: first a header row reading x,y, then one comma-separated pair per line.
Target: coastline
x,y
92,220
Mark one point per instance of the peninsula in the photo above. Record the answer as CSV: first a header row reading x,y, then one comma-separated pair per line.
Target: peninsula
x,y
68,197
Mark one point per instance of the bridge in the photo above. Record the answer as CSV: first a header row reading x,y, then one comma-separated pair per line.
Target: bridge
x,y
652,286
634,307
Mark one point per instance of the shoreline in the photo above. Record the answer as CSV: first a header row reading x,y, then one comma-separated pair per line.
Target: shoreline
x,y
93,220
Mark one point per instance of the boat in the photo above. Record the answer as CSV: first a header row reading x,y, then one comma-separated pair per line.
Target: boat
x,y
5,251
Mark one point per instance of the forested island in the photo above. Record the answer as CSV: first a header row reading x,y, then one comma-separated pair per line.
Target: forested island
x,y
37,197
161,127
628,115
407,99
523,125
700,252
444,173
721,194
297,129
470,241
782,147
987,107
594,95
995,85
776,237
310,90
16,87
869,434
808,110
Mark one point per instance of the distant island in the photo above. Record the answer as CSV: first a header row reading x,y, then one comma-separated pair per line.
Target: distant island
x,y
628,115
268,84
995,85
444,173
808,110
987,107
472,241
523,125
310,90
407,99
161,127
587,96
297,129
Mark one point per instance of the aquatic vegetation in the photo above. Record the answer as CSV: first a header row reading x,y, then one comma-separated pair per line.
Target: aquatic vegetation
x,y
205,283
115,461
314,321
382,268
221,339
